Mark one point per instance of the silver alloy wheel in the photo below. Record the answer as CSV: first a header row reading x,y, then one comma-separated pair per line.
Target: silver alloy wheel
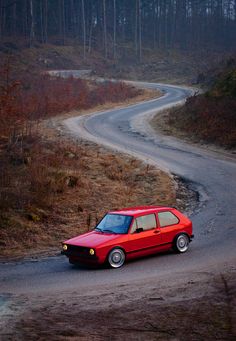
x,y
116,258
182,243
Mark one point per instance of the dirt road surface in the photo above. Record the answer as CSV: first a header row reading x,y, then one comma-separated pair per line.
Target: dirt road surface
x,y
164,297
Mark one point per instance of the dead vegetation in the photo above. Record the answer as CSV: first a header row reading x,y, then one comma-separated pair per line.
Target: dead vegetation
x,y
52,188
209,117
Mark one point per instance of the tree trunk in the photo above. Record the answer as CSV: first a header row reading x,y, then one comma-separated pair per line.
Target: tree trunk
x,y
84,30
1,19
160,24
73,17
14,18
105,27
46,22
63,22
41,21
114,29
90,35
136,28
140,30
32,26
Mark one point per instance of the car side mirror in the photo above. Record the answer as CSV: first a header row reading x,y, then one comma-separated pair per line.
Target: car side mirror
x,y
138,230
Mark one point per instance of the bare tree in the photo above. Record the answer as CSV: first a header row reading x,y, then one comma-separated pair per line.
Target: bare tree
x,y
140,30
1,18
41,21
105,27
61,4
185,24
45,21
114,29
32,25
136,27
84,29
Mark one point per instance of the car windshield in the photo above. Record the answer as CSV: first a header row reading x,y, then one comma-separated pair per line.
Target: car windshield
x,y
114,223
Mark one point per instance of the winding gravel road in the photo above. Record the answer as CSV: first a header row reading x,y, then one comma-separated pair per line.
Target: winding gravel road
x,y
212,175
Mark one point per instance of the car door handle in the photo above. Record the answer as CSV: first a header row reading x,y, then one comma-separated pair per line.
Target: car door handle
x,y
157,232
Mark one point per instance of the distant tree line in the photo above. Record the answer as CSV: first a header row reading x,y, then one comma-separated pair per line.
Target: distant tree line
x,y
112,24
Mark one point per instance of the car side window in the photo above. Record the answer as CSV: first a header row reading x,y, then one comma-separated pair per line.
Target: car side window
x,y
146,222
167,218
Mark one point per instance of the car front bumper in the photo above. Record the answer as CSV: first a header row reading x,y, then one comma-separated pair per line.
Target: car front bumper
x,y
83,259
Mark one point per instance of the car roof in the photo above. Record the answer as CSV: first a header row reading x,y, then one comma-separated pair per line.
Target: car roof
x,y
139,210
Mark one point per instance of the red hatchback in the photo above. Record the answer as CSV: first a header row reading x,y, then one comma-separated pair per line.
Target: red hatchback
x,y
130,233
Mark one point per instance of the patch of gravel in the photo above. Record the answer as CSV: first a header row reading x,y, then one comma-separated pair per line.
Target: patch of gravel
x,y
187,198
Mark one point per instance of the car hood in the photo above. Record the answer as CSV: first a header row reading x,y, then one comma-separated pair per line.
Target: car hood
x,y
93,239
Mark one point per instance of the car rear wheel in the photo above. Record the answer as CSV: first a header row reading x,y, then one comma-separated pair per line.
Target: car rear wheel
x,y
181,243
116,258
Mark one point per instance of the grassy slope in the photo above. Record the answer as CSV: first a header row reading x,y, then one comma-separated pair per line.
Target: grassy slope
x,y
69,188
208,117
53,188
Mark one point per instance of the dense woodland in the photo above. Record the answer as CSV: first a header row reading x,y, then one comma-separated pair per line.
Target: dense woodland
x,y
110,25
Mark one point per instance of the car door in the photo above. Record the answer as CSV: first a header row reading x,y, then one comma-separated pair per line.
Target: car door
x,y
144,234
169,225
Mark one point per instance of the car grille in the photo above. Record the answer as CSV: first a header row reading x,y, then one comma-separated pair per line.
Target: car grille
x,y
78,250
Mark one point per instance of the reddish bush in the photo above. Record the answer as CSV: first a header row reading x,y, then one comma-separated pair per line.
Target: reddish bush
x,y
212,119
40,96
31,174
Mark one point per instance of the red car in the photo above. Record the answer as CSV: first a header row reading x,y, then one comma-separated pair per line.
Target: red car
x,y
130,233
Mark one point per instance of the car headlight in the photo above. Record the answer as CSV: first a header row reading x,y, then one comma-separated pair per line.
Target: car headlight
x,y
91,252
64,247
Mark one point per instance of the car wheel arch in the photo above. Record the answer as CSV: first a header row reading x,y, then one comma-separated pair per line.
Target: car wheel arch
x,y
175,240
115,248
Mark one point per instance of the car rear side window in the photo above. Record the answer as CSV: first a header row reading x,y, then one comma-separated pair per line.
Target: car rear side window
x,y
146,222
167,218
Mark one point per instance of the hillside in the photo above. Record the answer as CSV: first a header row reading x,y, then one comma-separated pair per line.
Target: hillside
x,y
209,117
51,186
170,65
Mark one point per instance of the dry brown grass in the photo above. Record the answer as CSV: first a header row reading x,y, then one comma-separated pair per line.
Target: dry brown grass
x,y
209,117
51,189
58,189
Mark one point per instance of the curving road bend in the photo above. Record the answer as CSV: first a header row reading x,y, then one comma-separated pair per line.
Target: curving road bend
x,y
212,175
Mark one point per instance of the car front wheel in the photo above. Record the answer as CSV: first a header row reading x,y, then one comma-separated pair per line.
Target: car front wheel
x,y
116,258
181,243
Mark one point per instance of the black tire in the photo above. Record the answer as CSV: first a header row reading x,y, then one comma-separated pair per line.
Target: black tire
x,y
116,258
181,243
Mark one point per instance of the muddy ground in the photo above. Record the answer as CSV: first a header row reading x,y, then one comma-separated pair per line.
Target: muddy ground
x,y
200,306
